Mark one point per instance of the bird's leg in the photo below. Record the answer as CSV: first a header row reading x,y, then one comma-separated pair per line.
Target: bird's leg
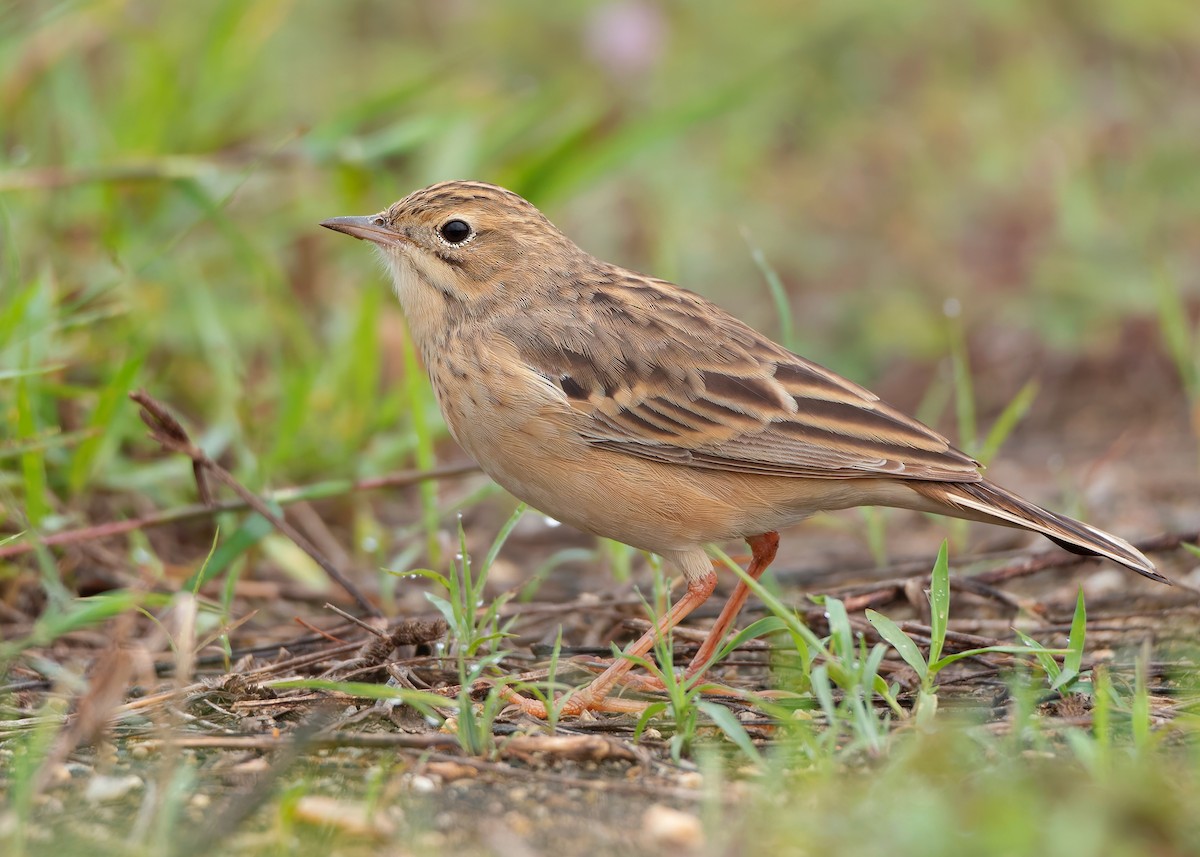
x,y
592,697
763,548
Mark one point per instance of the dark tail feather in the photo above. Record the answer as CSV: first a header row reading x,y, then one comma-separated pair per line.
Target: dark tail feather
x,y
983,501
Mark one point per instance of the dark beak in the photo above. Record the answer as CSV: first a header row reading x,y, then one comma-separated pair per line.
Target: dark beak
x,y
370,227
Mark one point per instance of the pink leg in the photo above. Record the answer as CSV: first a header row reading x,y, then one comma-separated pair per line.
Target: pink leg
x,y
763,550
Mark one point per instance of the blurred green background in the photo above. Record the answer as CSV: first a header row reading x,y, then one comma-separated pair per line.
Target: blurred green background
x,y
1033,166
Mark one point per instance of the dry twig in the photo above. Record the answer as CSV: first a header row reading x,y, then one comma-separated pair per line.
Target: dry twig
x,y
168,431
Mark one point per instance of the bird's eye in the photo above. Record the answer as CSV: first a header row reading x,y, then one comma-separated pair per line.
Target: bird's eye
x,y
380,220
455,231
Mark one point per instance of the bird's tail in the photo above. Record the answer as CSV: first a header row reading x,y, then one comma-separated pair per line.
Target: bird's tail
x,y
983,501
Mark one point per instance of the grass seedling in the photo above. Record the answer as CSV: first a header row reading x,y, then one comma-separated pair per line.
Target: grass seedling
x,y
1065,677
1095,750
685,704
472,624
552,693
474,724
928,668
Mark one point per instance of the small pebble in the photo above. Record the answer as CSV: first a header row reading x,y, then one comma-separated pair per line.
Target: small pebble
x,y
422,784
520,824
348,816
664,826
1103,582
104,788
449,772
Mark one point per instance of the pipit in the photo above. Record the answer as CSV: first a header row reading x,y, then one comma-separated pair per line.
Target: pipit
x,y
634,409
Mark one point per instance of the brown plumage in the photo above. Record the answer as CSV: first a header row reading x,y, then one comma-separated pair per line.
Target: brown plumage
x,y
637,410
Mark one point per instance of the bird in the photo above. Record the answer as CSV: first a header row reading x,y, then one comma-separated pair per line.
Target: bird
x,y
634,409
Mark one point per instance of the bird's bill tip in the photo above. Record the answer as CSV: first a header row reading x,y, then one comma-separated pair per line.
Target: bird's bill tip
x,y
366,227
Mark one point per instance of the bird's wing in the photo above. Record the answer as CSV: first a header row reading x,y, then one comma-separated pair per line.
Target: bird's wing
x,y
658,372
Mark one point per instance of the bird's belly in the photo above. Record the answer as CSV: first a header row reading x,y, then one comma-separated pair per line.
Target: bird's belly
x,y
590,489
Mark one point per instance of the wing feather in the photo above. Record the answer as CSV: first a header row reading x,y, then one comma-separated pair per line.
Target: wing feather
x,y
667,376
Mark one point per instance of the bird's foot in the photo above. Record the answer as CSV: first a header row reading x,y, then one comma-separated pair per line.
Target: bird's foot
x,y
574,705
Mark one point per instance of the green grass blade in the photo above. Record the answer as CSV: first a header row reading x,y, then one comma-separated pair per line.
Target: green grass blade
x,y
779,295
1008,420
77,614
900,641
422,700
103,423
794,626
732,727
939,603
502,536
964,389
33,460
250,533
1177,333
1073,660
840,632
1043,655
759,628
1036,650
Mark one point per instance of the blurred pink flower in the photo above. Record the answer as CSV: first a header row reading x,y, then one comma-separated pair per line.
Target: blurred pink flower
x,y
626,37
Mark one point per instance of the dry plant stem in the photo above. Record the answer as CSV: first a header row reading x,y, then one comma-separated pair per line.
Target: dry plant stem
x,y
269,742
167,430
283,497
